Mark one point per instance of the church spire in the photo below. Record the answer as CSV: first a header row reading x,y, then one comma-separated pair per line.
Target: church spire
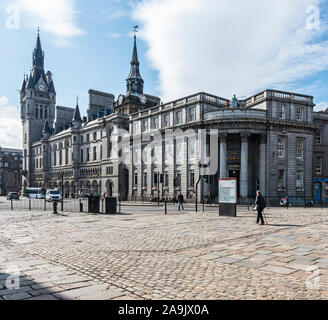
x,y
38,54
23,85
134,81
77,114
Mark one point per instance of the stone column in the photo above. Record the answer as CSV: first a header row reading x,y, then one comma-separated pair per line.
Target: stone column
x,y
185,168
223,156
244,166
262,171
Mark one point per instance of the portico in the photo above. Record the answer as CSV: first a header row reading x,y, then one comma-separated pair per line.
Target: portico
x,y
243,156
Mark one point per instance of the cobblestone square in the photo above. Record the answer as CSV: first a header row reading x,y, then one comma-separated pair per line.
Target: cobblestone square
x,y
145,254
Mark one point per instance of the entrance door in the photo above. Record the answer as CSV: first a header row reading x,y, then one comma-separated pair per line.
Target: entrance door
x,y
317,192
236,174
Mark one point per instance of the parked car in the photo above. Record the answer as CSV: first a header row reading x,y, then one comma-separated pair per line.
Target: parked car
x,y
296,202
53,195
13,196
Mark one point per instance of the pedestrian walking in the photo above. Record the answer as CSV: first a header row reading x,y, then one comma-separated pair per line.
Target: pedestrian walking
x,y
181,201
259,206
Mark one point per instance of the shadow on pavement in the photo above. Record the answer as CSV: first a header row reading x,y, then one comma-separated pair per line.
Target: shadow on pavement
x,y
284,225
19,287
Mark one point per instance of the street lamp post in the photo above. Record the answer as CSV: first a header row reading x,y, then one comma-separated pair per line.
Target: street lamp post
x,y
62,202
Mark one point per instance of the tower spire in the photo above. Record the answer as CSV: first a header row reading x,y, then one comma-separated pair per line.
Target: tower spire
x,y
38,54
134,81
77,114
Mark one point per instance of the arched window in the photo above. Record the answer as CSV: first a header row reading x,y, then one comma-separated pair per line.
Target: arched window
x,y
36,112
41,112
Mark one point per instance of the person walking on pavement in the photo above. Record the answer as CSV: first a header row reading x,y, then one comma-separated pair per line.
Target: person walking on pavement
x,y
261,205
180,201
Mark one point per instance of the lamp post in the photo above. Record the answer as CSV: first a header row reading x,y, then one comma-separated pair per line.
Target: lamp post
x,y
62,200
158,191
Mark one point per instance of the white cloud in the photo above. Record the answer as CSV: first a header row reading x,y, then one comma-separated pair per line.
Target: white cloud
x,y
10,125
114,35
57,16
118,14
230,47
321,106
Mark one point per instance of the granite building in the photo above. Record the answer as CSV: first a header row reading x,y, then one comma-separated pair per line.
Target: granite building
x,y
139,147
10,170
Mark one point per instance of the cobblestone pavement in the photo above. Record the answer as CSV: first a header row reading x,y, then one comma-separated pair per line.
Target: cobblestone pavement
x,y
144,254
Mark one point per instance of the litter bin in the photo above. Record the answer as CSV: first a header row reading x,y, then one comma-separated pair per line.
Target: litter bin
x,y
94,204
111,205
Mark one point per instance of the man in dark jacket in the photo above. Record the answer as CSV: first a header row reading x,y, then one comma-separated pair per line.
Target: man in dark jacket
x,y
180,201
260,202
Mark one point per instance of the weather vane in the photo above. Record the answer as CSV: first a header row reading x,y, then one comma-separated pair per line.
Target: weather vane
x,y
135,29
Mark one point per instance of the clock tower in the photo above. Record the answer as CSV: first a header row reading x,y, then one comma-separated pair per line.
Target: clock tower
x,y
38,101
135,99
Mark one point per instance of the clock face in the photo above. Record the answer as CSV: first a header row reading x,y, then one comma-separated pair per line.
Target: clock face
x,y
143,99
42,87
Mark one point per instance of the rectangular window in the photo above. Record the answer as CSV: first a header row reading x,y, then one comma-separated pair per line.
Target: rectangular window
x,y
135,127
55,156
300,143
88,138
136,179
318,137
145,180
41,112
281,112
191,178
94,153
178,179
281,179
318,167
144,125
299,181
166,120
82,140
88,155
154,123
178,117
94,136
191,114
281,147
82,159
166,179
156,179
191,147
299,113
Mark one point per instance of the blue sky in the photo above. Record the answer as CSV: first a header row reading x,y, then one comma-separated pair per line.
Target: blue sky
x,y
218,46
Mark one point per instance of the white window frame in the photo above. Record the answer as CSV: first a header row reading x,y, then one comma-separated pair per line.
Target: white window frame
x,y
300,151
178,118
301,186
281,147
319,165
299,113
